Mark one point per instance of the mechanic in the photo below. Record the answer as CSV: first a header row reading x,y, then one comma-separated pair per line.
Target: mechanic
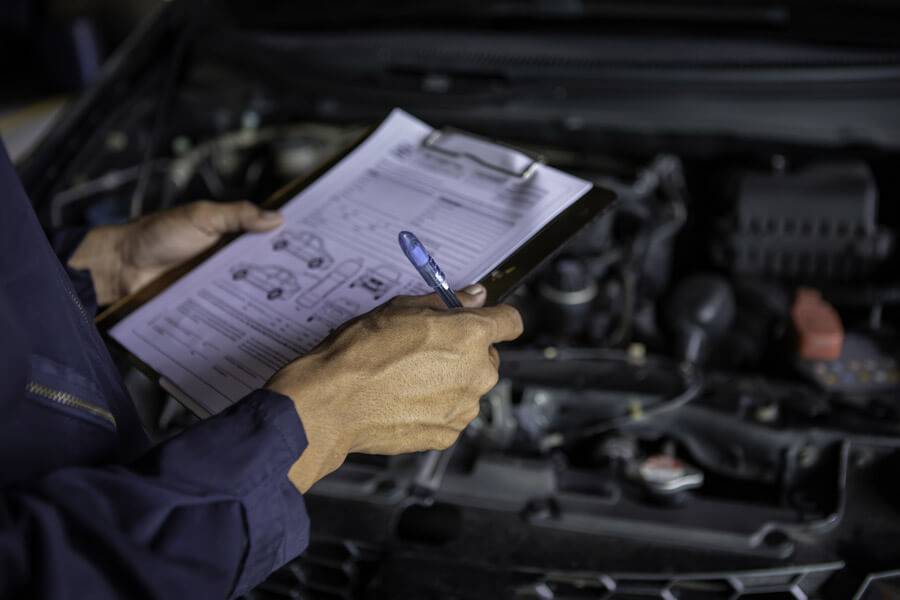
x,y
89,510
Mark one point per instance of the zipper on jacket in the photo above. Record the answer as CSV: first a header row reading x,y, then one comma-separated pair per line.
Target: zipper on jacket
x,y
77,302
70,400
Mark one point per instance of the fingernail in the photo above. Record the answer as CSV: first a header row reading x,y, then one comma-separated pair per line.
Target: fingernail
x,y
476,289
269,215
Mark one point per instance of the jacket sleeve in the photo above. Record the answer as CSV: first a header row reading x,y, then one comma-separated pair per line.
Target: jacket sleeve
x,y
64,242
207,514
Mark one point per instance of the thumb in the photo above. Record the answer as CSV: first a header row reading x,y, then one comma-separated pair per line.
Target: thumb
x,y
472,296
231,217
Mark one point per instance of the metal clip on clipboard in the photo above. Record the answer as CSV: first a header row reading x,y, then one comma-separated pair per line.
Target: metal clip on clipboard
x,y
491,155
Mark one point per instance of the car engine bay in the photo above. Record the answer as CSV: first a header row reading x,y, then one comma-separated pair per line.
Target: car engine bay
x,y
704,404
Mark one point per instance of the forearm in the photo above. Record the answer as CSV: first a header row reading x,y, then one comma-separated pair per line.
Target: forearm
x,y
211,512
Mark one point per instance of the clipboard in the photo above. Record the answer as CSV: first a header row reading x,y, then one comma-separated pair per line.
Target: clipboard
x,y
452,144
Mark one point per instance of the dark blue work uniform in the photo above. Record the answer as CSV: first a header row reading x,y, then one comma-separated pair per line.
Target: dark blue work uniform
x,y
87,508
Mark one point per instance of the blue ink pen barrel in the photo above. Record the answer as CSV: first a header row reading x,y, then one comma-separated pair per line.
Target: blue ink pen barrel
x,y
428,268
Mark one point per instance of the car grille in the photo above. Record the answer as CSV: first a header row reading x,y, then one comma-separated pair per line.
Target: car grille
x,y
331,570
327,570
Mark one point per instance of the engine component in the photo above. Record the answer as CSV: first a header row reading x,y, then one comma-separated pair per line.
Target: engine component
x,y
578,394
762,310
866,365
567,294
698,314
666,477
817,325
817,224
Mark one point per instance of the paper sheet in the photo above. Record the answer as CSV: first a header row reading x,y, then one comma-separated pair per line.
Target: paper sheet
x,y
222,330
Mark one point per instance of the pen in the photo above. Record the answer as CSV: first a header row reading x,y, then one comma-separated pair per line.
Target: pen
x,y
428,268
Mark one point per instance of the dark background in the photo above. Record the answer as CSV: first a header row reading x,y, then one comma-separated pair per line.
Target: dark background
x,y
49,51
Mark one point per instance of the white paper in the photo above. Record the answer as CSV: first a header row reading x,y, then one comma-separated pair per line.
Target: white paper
x,y
222,330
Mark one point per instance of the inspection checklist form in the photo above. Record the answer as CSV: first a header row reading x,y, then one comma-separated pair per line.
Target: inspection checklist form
x,y
223,329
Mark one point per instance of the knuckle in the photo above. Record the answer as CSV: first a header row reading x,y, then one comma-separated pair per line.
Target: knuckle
x,y
245,210
476,322
514,316
193,211
444,439
495,357
485,380
201,207
201,213
490,379
472,412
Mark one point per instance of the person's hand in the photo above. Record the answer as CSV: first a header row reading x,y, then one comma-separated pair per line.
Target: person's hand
x,y
405,377
123,258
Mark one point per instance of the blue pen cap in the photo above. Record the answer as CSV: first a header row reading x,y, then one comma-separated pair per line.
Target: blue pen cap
x,y
413,249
